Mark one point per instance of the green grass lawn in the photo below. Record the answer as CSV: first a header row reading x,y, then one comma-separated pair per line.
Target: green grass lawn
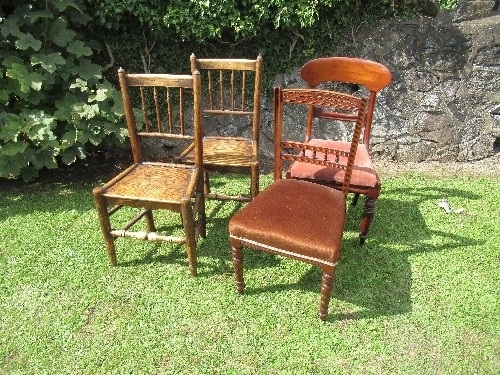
x,y
421,297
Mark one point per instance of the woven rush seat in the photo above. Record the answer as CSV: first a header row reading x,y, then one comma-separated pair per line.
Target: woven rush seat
x,y
151,182
225,151
148,185
295,218
363,173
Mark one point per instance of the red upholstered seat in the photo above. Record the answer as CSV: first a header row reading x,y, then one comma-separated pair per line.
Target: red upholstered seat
x,y
294,218
365,80
363,173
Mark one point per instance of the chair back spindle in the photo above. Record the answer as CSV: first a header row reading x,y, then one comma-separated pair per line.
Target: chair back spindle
x,y
162,102
308,153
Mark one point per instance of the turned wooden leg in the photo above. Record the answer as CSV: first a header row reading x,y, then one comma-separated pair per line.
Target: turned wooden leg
x,y
200,207
189,232
366,220
150,224
237,252
326,292
254,187
102,210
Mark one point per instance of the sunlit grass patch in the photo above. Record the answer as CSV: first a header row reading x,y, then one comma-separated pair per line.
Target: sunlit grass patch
x,y
419,297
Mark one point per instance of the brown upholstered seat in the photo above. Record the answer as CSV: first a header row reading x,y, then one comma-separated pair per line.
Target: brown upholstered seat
x,y
231,98
373,77
300,219
152,185
284,216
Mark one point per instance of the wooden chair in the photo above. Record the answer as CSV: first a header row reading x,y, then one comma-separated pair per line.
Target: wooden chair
x,y
231,98
364,180
157,185
299,219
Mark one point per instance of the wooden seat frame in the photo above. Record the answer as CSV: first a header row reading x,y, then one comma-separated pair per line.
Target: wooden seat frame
x,y
156,185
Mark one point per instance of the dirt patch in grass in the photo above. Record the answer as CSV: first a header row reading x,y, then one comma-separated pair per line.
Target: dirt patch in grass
x,y
489,167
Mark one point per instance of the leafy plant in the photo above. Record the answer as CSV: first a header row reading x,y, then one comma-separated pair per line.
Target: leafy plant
x,y
162,34
448,4
199,20
55,105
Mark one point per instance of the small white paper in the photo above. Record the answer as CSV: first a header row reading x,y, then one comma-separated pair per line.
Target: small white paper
x,y
443,203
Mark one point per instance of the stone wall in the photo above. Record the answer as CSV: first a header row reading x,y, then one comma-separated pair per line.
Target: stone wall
x,y
444,102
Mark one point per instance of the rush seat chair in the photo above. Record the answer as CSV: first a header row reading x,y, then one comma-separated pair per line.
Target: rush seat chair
x,y
164,100
231,99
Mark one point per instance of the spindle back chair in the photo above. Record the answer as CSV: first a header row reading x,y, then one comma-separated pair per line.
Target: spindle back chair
x,y
299,219
231,101
166,101
365,180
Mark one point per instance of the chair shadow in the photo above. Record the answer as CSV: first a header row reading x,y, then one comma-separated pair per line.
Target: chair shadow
x,y
213,252
376,278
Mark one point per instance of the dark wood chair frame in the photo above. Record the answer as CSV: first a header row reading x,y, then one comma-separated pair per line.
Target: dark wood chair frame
x,y
239,155
154,185
374,77
285,150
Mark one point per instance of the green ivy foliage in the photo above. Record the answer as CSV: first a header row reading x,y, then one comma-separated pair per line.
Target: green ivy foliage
x,y
55,105
199,20
448,4
286,32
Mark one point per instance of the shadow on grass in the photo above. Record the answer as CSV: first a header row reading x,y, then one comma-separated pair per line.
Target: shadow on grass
x,y
215,246
50,197
376,278
60,190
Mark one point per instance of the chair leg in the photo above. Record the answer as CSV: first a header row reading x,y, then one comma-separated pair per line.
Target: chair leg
x,y
206,183
200,207
150,224
237,253
189,232
326,292
254,188
366,220
105,225
355,199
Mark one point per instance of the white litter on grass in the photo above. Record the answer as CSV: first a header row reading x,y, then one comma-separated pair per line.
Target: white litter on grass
x,y
443,203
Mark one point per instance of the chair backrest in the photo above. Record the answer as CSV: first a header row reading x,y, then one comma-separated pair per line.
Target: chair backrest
x,y
290,150
370,74
164,101
232,87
